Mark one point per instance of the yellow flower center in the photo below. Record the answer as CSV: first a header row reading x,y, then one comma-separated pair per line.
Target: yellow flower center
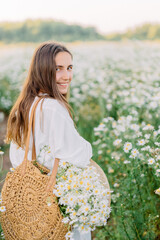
x,y
64,177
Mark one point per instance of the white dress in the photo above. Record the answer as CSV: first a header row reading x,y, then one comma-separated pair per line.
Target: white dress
x,y
55,128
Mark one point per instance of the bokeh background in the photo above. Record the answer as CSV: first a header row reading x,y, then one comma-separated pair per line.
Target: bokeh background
x,y
115,94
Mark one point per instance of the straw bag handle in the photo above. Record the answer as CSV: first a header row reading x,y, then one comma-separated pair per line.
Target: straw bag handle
x,y
52,179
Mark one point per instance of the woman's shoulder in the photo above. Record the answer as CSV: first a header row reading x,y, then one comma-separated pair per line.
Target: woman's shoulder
x,y
51,104
50,107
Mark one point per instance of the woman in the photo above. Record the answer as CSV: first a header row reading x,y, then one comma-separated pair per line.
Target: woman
x,y
50,75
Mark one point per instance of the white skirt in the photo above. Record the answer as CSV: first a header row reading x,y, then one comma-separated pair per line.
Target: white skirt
x,y
77,235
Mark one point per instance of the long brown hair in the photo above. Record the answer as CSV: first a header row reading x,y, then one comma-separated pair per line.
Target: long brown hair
x,y
41,78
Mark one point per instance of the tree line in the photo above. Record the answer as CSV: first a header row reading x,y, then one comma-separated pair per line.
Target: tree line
x,y
44,30
144,32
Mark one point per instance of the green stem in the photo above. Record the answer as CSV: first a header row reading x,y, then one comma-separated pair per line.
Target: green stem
x,y
140,196
137,232
124,225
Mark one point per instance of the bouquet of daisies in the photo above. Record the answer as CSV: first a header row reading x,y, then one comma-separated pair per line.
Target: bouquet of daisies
x,y
82,197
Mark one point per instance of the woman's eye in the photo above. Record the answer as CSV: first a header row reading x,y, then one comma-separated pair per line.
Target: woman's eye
x,y
70,67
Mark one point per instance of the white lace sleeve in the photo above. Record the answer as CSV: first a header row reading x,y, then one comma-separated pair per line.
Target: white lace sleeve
x,y
67,143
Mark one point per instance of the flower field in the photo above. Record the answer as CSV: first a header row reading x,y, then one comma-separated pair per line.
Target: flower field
x,y
115,94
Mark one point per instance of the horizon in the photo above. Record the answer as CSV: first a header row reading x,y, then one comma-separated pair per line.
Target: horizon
x,y
106,16
115,32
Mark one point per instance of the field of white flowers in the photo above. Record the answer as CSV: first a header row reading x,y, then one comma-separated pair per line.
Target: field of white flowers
x,y
115,94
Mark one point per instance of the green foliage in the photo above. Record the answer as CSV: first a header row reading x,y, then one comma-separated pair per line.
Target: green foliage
x,y
132,176
8,94
44,30
144,32
89,115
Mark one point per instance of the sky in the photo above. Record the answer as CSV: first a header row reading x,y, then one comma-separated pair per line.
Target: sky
x,y
107,16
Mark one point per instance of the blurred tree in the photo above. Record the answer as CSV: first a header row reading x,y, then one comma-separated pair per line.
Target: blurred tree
x,y
144,32
43,30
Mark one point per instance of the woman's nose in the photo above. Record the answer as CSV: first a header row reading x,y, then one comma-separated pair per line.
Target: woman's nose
x,y
65,74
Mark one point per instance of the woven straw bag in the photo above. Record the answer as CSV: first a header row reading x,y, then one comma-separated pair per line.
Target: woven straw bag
x,y
25,194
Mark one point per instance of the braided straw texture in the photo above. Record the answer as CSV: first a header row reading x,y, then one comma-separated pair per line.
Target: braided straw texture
x,y
27,214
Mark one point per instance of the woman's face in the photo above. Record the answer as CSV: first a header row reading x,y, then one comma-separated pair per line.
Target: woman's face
x,y
64,71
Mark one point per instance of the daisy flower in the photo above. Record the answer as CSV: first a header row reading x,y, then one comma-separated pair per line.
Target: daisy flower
x,y
134,153
151,161
141,142
147,136
157,191
12,169
69,235
117,142
148,127
62,164
126,162
2,209
127,147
